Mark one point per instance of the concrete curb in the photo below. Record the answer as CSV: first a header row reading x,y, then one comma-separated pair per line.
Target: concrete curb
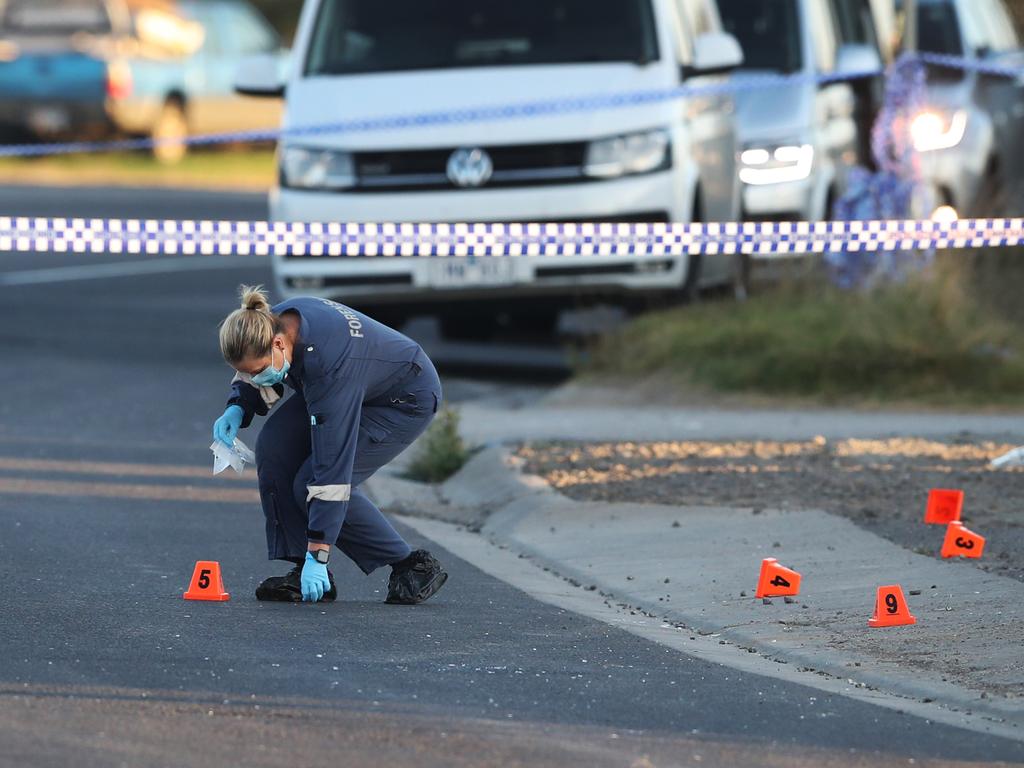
x,y
621,551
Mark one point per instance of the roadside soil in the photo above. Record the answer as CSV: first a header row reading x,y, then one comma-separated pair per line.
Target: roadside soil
x,y
882,485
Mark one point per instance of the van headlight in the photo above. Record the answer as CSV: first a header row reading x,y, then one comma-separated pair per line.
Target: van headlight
x,y
934,130
760,165
303,168
627,155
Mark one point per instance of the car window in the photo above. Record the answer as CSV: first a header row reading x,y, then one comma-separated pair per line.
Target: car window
x,y
937,28
56,17
824,34
856,22
360,36
768,31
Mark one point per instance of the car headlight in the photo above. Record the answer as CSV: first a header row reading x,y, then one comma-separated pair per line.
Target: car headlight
x,y
934,130
630,154
776,164
303,168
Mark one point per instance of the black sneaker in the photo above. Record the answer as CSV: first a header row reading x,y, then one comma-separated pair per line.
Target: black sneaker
x,y
415,579
288,588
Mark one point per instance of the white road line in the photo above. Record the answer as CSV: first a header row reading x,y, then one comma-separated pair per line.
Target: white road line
x,y
124,269
506,565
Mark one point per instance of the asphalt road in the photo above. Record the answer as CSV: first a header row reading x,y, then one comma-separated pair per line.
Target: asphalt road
x,y
106,502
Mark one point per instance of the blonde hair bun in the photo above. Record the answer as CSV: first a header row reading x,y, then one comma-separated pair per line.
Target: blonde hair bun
x,y
249,332
254,298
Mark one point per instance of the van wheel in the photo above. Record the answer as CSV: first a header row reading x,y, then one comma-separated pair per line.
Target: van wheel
x,y
169,133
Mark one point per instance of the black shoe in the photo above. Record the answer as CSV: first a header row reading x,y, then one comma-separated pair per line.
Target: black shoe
x,y
415,579
288,588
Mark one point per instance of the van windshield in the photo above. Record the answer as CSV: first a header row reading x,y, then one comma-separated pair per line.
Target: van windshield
x,y
768,31
55,17
362,36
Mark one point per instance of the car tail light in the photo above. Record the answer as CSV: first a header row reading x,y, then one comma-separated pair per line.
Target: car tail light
x,y
119,80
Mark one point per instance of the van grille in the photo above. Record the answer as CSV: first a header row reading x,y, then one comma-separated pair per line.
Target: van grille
x,y
517,165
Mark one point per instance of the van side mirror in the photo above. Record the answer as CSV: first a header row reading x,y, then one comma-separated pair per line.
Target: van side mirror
x,y
714,53
261,76
858,59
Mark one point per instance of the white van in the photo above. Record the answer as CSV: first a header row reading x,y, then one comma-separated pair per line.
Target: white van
x,y
664,161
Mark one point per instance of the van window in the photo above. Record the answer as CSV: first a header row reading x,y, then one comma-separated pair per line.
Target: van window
x,y
768,31
56,17
360,36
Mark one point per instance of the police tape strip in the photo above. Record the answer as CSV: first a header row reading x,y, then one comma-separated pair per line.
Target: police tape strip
x,y
515,111
522,110
764,240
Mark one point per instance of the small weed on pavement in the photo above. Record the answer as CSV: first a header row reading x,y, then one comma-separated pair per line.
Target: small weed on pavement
x,y
442,451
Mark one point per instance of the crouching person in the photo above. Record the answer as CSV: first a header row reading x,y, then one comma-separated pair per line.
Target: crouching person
x,y
361,394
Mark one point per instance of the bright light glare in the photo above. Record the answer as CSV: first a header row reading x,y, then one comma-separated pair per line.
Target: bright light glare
x,y
945,214
755,157
786,164
931,131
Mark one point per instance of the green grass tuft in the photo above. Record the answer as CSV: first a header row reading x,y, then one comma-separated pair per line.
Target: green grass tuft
x,y
926,342
442,452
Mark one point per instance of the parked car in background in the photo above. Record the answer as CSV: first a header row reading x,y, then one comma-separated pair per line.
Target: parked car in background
x,y
798,140
100,68
668,161
969,135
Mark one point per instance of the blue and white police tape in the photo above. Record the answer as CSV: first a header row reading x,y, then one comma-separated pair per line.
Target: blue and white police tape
x,y
763,240
523,110
514,111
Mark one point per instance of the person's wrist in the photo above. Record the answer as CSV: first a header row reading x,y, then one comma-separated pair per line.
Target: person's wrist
x,y
320,553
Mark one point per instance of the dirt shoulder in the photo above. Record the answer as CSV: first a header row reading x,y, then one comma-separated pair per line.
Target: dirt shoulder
x,y
881,485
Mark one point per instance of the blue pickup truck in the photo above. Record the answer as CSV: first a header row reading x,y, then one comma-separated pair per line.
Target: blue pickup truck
x,y
88,69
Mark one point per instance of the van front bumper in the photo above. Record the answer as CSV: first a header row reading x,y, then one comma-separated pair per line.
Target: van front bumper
x,y
421,282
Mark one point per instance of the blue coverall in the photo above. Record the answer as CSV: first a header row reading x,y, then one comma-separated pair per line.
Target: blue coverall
x,y
362,394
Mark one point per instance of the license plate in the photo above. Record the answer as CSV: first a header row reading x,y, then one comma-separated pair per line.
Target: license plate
x,y
49,119
466,273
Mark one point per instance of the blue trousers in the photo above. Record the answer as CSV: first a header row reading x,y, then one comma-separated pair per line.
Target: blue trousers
x,y
283,462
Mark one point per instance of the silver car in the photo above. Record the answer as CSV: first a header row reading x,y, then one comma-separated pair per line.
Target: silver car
x,y
968,135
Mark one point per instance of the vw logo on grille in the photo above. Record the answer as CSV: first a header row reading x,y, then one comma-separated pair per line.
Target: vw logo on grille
x,y
470,167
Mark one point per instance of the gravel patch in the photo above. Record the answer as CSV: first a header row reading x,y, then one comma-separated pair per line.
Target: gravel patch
x,y
882,485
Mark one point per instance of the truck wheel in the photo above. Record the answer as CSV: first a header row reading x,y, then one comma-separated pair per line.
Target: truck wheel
x,y
170,132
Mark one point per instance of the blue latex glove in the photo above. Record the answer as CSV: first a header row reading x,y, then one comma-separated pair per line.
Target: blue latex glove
x,y
315,581
226,427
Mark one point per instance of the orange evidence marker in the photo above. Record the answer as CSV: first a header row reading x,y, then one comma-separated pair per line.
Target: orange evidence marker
x,y
777,581
961,542
207,583
891,608
944,507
